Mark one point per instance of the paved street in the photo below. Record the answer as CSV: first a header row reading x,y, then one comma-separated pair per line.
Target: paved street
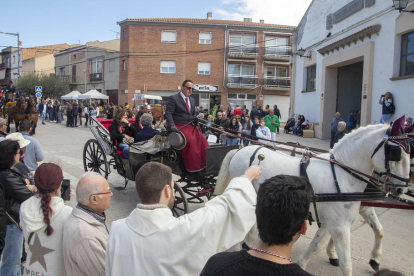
x,y
65,146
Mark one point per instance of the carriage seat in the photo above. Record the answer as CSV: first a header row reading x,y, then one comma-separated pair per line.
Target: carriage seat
x,y
151,146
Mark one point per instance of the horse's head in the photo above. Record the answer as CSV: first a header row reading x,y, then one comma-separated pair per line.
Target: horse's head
x,y
21,102
393,153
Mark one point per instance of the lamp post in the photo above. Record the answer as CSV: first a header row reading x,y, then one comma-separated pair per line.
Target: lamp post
x,y
401,5
301,53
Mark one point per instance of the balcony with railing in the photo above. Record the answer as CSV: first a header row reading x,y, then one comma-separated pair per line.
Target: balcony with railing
x,y
243,51
95,77
281,53
68,78
276,83
237,81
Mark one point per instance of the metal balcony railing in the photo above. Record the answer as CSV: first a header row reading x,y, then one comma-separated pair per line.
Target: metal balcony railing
x,y
95,77
285,51
68,78
250,49
276,82
237,80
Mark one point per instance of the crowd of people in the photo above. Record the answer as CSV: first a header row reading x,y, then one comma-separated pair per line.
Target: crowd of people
x,y
261,125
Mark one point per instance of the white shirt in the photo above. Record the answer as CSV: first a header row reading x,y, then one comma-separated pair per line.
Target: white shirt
x,y
97,111
44,108
85,110
184,97
153,242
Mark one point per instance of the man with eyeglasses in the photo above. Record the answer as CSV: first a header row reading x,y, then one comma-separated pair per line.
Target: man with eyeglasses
x,y
179,112
85,233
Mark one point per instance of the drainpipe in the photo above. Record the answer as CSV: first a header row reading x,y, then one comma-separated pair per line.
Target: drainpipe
x,y
86,65
224,59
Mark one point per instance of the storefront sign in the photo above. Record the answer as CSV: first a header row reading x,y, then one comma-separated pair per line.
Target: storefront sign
x,y
347,10
206,88
139,97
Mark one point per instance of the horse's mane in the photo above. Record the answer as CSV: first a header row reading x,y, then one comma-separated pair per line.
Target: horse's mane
x,y
356,134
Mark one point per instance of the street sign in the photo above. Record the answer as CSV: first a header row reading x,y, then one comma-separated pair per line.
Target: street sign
x,y
38,89
38,95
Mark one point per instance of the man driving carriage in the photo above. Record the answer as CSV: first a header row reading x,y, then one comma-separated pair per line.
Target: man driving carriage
x,y
179,112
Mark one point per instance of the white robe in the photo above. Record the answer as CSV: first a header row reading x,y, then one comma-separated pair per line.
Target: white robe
x,y
154,242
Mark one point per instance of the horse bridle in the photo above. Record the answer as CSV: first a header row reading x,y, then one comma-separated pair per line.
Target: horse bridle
x,y
392,153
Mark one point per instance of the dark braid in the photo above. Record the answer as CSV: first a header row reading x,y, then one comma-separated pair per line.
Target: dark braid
x,y
47,211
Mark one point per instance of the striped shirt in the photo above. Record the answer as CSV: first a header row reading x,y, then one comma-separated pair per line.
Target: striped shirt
x,y
96,216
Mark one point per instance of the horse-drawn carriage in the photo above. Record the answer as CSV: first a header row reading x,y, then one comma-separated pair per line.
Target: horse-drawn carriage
x,y
100,155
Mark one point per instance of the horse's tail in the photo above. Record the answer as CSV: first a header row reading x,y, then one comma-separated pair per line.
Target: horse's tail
x,y
223,178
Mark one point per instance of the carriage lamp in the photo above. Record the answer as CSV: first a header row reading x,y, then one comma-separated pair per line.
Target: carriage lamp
x,y
301,53
401,5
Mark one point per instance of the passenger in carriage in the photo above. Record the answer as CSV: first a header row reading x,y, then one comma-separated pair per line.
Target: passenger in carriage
x,y
120,130
147,131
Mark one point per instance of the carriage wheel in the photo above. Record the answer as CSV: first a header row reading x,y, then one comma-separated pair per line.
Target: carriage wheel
x,y
94,158
180,205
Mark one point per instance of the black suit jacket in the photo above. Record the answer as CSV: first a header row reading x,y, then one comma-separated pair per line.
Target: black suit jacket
x,y
177,112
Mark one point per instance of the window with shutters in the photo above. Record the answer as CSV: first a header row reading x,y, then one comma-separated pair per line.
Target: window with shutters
x,y
169,36
204,68
168,67
407,55
310,78
204,38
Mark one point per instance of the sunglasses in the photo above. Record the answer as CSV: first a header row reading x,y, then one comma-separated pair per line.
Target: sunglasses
x,y
189,88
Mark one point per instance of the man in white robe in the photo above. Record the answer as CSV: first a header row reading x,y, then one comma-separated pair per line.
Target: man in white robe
x,y
151,241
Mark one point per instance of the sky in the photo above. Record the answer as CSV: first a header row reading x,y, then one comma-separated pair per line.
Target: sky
x,y
44,22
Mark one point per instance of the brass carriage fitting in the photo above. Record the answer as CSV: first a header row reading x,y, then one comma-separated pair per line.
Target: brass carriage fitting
x,y
261,157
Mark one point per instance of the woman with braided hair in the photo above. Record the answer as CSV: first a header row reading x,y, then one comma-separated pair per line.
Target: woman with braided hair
x,y
42,218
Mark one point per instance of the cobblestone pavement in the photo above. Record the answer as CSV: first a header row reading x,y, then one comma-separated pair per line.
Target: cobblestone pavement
x,y
65,145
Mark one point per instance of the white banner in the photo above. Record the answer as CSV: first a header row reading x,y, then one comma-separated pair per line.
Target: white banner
x,y
139,97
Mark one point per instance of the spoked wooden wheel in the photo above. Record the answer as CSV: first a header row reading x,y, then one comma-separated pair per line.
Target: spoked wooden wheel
x,y
180,204
94,159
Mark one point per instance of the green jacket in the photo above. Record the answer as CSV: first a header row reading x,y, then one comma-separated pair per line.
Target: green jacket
x,y
269,124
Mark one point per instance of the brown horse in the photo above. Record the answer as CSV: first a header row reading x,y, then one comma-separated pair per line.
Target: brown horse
x,y
32,114
17,113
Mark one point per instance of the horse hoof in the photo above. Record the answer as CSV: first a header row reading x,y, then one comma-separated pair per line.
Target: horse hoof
x,y
334,262
375,266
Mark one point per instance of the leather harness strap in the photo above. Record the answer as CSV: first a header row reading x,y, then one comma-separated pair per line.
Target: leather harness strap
x,y
254,155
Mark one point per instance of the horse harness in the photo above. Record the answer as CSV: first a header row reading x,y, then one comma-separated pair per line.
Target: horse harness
x,y
373,191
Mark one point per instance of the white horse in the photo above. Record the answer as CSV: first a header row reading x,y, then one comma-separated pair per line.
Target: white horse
x,y
368,214
354,151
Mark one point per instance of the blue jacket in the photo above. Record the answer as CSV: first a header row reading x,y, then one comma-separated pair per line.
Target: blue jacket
x,y
351,120
334,127
40,108
33,152
145,134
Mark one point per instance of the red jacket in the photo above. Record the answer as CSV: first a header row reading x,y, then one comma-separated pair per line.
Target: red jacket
x,y
237,111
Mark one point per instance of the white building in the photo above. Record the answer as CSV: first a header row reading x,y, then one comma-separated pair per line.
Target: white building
x,y
358,50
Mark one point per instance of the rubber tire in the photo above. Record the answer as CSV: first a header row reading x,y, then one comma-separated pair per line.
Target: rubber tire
x,y
180,198
93,151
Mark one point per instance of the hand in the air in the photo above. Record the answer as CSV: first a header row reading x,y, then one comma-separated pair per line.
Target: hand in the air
x,y
254,172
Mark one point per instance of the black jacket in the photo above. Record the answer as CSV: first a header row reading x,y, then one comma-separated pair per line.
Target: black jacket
x,y
2,134
277,112
253,131
338,136
16,192
135,129
75,110
177,112
3,219
110,113
116,135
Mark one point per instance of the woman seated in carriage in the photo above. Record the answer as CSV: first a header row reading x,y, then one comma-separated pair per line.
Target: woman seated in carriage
x,y
120,131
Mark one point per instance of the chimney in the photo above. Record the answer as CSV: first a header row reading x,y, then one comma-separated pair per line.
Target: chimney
x,y
261,21
247,20
209,15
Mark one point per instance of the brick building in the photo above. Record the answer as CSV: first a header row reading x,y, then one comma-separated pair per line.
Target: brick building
x,y
239,62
